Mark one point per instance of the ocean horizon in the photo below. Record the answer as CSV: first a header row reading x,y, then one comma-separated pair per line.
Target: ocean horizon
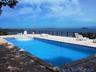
x,y
84,30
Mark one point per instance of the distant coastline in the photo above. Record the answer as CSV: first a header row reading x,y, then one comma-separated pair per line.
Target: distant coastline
x,y
83,29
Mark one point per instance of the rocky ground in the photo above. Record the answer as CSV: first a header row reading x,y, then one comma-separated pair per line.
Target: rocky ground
x,y
83,65
14,60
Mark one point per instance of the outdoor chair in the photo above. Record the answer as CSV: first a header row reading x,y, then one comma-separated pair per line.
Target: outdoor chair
x,y
80,37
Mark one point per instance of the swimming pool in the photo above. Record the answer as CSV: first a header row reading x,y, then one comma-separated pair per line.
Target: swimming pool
x,y
55,53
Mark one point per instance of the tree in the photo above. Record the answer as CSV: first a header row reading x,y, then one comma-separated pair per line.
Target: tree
x,y
10,3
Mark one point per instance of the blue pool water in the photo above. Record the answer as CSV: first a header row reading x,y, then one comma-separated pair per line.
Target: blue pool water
x,y
54,53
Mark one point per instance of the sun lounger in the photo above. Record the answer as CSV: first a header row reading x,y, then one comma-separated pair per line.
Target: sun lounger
x,y
80,37
94,41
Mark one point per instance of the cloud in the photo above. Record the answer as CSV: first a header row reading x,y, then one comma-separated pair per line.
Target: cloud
x,y
47,8
25,10
55,8
50,8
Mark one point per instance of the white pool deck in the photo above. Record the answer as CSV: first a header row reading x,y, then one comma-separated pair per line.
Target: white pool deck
x,y
72,40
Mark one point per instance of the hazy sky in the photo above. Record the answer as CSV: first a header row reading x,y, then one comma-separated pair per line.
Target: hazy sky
x,y
50,14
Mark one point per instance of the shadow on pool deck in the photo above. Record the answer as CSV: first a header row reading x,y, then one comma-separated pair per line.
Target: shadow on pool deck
x,y
59,61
